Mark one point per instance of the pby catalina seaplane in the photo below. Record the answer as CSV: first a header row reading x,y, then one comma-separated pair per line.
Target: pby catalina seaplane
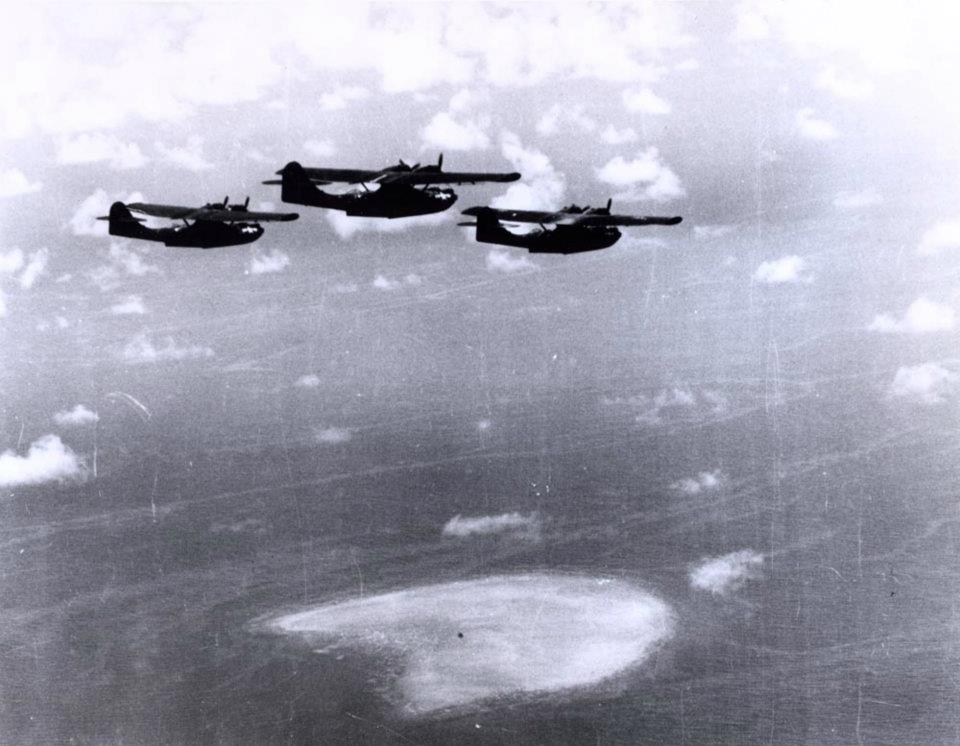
x,y
399,191
576,229
213,225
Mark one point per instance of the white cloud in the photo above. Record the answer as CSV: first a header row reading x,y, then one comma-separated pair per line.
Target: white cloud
x,y
97,147
527,526
344,288
332,435
320,148
385,283
189,157
499,260
11,262
84,221
812,128
76,417
460,643
943,236
13,182
47,460
844,86
447,133
855,200
308,381
275,261
705,481
646,102
35,267
142,350
704,232
751,25
728,573
123,261
922,317
342,96
131,305
787,269
541,187
549,123
612,136
646,176
927,383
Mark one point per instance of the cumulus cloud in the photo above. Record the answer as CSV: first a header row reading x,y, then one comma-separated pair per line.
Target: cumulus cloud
x,y
646,177
787,269
558,114
704,232
503,261
443,131
942,237
332,435
47,460
922,317
189,157
461,643
123,261
3,305
612,136
844,86
320,148
84,221
855,200
275,261
645,101
812,128
76,417
99,147
35,267
13,182
672,403
380,282
342,96
526,526
705,481
927,383
728,573
130,305
308,381
30,268
141,349
541,187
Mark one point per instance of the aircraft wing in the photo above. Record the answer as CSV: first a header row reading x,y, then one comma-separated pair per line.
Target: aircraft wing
x,y
163,211
516,216
241,216
422,176
341,175
601,220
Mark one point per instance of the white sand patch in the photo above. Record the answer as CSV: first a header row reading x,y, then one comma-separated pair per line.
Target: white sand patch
x,y
469,641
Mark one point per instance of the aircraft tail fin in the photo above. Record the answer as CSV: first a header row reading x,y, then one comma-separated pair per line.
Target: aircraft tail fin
x,y
123,223
297,188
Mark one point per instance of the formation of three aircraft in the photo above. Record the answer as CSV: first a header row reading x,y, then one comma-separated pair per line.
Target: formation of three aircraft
x,y
401,191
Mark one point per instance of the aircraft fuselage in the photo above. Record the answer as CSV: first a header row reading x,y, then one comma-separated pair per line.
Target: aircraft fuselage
x,y
563,239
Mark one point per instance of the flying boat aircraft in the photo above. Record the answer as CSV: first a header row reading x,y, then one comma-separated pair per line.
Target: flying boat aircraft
x,y
575,229
398,191
214,225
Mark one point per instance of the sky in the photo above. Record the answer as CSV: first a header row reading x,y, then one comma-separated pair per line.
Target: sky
x,y
806,145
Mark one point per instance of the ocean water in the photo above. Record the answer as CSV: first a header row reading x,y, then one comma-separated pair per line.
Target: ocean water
x,y
137,606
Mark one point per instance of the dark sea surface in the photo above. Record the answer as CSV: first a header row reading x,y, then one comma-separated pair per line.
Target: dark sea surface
x,y
133,604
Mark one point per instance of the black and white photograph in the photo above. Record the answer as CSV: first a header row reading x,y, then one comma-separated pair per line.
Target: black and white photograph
x,y
480,373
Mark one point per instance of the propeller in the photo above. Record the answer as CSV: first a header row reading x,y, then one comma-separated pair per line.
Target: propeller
x,y
440,163
609,204
225,201
246,202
